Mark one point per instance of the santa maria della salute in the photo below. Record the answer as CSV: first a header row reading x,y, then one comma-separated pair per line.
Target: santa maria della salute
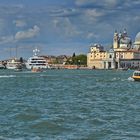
x,y
123,55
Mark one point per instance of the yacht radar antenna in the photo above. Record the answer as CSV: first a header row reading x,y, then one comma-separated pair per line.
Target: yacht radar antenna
x,y
36,51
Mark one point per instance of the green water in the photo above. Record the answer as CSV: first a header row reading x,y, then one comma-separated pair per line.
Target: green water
x,y
69,105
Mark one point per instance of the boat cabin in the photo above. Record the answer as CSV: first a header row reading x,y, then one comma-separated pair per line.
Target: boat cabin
x,y
136,75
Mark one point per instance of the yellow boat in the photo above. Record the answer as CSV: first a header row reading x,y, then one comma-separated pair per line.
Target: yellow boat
x,y
136,75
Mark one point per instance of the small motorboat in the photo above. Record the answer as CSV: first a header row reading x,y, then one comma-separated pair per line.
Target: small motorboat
x,y
36,69
18,69
136,75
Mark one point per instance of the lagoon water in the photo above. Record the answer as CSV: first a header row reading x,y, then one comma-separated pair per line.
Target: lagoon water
x,y
69,105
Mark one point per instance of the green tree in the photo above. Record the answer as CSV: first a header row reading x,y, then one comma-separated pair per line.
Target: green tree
x,y
80,59
77,60
73,54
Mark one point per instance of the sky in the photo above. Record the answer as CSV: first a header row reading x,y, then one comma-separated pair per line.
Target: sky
x,y
59,27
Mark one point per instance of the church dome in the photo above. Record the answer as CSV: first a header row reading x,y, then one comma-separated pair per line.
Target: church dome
x,y
137,38
137,41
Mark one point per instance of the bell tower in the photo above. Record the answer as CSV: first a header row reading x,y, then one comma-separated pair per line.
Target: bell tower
x,y
115,41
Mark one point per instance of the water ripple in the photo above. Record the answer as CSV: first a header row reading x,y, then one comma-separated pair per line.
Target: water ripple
x,y
69,104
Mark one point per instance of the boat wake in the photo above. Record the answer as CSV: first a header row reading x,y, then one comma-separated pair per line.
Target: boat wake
x,y
7,76
130,79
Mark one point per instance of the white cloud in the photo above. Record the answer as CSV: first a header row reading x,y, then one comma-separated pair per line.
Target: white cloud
x,y
70,29
137,18
90,17
6,39
104,3
30,33
83,2
91,35
10,9
19,23
111,3
64,12
65,27
94,13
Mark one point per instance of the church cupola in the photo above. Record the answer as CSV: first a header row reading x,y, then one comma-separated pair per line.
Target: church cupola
x,y
124,33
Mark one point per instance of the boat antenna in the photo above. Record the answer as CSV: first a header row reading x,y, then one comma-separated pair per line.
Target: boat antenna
x,y
36,51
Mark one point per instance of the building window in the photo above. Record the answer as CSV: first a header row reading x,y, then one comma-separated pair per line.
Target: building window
x,y
110,56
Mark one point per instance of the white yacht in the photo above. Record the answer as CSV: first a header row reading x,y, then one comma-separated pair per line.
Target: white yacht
x,y
36,61
13,64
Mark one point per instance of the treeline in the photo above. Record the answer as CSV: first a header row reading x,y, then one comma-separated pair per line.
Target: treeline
x,y
77,60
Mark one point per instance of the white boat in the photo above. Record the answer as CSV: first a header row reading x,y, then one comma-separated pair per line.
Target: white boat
x,y
2,66
13,64
36,61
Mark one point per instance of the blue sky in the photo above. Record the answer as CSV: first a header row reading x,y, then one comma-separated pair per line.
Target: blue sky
x,y
63,26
